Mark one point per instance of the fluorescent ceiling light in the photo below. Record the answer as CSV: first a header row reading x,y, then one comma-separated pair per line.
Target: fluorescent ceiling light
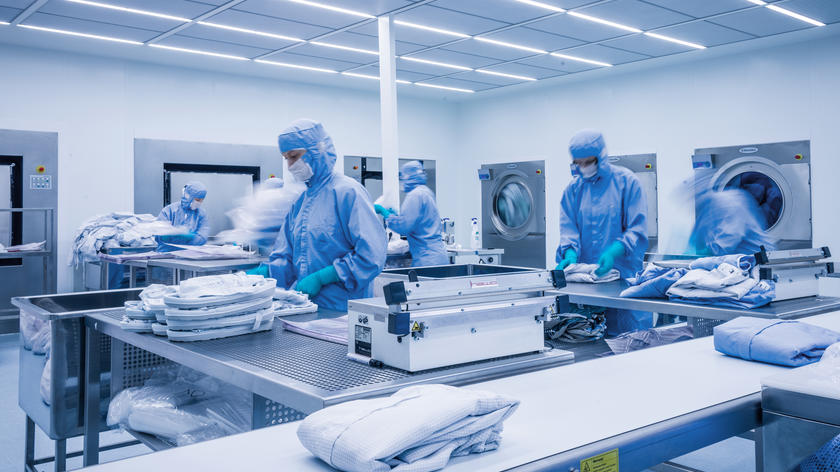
x,y
346,48
295,66
758,2
580,59
454,89
510,76
542,5
372,77
674,40
509,45
83,35
791,14
429,28
132,10
434,63
203,53
332,8
4,23
605,22
249,31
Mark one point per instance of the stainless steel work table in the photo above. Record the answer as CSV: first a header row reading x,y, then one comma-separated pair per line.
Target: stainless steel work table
x,y
607,295
299,372
203,267
651,405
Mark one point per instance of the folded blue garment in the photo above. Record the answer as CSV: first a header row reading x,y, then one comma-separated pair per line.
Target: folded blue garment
x,y
742,261
653,282
763,293
788,343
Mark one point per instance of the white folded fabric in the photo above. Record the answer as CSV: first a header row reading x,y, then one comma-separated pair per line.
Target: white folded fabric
x,y
585,273
417,429
725,280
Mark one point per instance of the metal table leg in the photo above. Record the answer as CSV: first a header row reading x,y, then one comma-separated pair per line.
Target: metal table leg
x,y
29,447
103,276
132,276
759,449
60,455
92,394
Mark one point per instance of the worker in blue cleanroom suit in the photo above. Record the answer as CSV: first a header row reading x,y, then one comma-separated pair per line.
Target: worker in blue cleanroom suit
x,y
418,219
331,245
728,222
186,214
603,220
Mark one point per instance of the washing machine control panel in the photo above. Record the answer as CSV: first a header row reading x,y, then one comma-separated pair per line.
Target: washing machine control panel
x,y
483,174
701,161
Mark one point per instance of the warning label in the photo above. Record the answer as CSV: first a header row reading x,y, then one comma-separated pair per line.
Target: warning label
x,y
416,327
606,462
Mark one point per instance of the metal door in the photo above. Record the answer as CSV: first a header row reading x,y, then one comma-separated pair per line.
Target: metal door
x,y
513,206
644,166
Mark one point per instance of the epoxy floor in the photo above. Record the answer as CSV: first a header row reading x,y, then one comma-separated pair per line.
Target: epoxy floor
x,y
731,455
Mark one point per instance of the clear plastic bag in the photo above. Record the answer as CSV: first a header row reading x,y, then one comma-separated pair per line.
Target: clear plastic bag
x,y
644,339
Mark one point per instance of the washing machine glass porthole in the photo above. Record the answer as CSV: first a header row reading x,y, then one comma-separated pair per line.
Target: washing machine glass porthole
x,y
513,205
766,192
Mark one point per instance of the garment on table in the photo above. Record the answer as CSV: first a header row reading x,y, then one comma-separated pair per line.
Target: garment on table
x,y
332,223
653,282
416,429
762,293
638,340
118,229
789,343
585,273
744,262
723,280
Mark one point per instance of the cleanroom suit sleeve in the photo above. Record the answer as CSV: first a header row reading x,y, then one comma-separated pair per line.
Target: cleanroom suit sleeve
x,y
280,264
569,224
410,213
362,228
634,218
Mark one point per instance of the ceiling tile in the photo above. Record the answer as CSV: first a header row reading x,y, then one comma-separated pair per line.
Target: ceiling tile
x,y
506,11
104,15
372,7
430,15
462,84
19,4
604,53
702,8
299,13
8,14
364,41
89,27
572,27
559,64
334,54
245,39
268,24
646,45
453,57
401,74
535,39
489,50
292,57
827,11
705,33
526,70
188,42
183,8
760,22
488,78
636,13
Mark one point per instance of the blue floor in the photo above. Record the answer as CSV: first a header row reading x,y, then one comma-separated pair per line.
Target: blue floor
x,y
732,455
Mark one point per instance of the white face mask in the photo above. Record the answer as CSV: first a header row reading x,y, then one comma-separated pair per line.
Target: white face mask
x,y
195,205
588,171
301,170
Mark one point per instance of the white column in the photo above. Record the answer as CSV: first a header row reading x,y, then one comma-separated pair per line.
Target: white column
x,y
388,111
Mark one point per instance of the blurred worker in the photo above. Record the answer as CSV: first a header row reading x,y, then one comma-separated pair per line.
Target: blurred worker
x,y
186,214
603,220
331,242
728,222
418,219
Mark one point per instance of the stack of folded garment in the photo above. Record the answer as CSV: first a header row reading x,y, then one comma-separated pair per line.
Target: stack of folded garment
x,y
220,306
585,273
333,330
182,407
721,281
292,302
789,343
113,230
416,429
147,314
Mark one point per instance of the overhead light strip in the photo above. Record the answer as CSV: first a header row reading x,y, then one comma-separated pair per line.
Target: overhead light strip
x,y
674,40
346,48
249,31
432,29
199,52
542,5
333,8
3,23
434,63
295,66
581,59
453,89
131,10
510,76
510,45
81,35
602,21
785,11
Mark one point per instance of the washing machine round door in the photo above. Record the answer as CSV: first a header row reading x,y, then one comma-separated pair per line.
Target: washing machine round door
x,y
763,180
513,207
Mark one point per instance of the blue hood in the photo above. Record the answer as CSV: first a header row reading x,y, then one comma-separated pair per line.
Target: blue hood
x,y
412,175
587,143
320,152
194,189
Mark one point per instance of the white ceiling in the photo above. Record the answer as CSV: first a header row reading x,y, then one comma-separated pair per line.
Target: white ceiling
x,y
487,44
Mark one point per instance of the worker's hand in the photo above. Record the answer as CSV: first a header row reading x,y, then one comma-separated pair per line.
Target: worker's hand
x,y
607,260
313,283
569,258
382,210
261,269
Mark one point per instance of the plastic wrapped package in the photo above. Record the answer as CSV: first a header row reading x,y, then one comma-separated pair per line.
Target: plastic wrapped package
x,y
159,329
216,290
182,407
644,339
265,324
153,295
215,312
333,330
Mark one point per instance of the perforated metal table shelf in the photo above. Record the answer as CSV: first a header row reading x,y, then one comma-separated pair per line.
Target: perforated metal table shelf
x,y
302,374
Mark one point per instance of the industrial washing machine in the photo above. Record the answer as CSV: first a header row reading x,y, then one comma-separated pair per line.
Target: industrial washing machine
x,y
513,211
777,175
644,166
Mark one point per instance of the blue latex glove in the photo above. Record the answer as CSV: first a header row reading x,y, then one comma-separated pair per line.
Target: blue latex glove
x,y
313,283
385,212
607,260
261,269
569,258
